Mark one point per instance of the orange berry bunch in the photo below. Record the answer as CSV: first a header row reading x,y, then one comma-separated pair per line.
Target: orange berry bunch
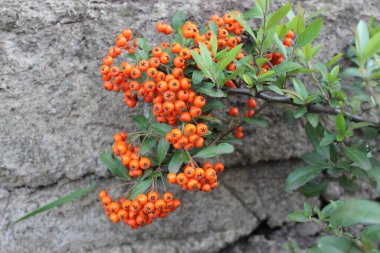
x,y
197,179
288,39
190,137
140,211
130,155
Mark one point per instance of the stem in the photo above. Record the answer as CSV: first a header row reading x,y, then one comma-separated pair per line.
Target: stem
x,y
311,107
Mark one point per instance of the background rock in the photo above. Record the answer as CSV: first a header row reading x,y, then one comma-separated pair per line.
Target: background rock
x,y
55,119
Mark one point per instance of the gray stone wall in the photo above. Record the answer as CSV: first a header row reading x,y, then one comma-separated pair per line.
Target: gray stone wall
x,y
55,119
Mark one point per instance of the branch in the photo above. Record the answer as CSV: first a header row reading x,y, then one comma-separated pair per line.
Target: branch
x,y
311,108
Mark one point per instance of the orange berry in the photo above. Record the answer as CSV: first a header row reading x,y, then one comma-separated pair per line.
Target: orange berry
x,y
102,194
234,111
181,179
189,171
160,204
172,178
190,129
202,129
251,103
168,196
144,163
210,174
152,196
114,207
114,217
219,167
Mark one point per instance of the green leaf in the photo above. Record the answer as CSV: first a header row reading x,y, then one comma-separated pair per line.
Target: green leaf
x,y
356,211
312,189
141,187
307,209
278,15
161,128
370,237
141,121
213,27
114,165
210,119
310,33
202,64
358,157
340,124
178,20
300,88
332,244
229,57
212,151
327,139
197,76
298,25
361,37
274,88
176,161
333,60
147,144
245,25
233,75
280,46
301,176
206,56
375,173
256,121
209,89
56,203
162,150
285,67
212,105
298,217
214,44
298,113
372,47
313,119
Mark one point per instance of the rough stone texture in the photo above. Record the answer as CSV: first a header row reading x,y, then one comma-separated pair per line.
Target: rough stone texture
x,y
55,119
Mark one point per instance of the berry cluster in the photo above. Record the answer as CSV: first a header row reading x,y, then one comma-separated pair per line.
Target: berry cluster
x,y
130,155
140,211
189,137
197,179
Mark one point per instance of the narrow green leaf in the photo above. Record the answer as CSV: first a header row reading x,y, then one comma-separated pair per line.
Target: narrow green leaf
x,y
56,203
333,60
212,105
141,121
313,119
141,187
310,33
162,150
209,89
285,67
301,176
300,88
229,57
327,139
214,44
375,173
298,113
373,46
210,119
197,76
161,128
245,25
312,189
356,211
256,121
178,20
298,25
220,149
361,37
340,124
332,244
176,161
279,15
358,157
147,144
298,217
274,88
114,165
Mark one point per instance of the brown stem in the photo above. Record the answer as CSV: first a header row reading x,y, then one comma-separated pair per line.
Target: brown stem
x,y
311,108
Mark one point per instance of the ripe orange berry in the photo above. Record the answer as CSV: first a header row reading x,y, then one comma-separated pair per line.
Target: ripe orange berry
x,y
144,163
210,174
202,129
181,179
134,165
199,143
207,165
234,111
114,207
168,196
219,167
102,194
190,129
176,134
152,196
156,51
251,103
189,171
160,204
287,42
185,53
142,198
206,188
114,217
172,178
199,101
149,207
290,34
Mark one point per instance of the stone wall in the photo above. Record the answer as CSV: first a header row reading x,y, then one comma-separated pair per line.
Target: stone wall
x,y
55,119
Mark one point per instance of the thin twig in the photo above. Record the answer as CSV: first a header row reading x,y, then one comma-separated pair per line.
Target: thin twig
x,y
311,107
